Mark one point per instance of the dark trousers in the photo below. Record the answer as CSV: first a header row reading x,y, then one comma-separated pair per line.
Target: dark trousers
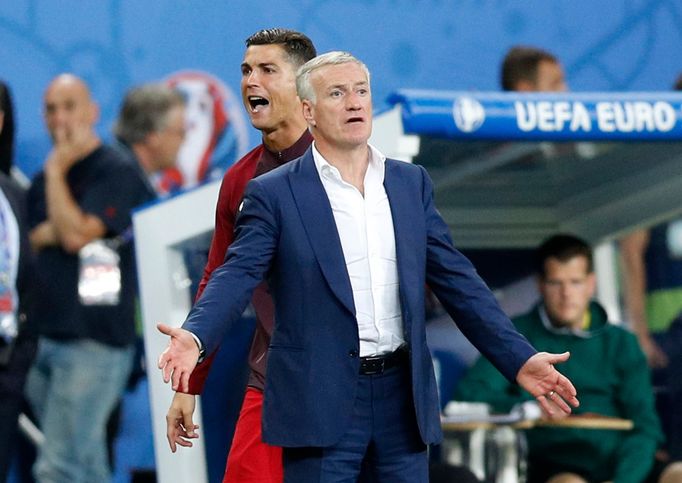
x,y
668,381
9,412
12,378
383,433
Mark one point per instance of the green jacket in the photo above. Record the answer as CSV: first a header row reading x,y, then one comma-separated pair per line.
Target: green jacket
x,y
610,373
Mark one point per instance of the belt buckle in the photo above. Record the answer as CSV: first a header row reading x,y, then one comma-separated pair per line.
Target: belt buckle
x,y
374,365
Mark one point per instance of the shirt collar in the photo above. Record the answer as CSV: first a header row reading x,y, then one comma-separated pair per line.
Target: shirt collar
x,y
544,317
292,152
377,160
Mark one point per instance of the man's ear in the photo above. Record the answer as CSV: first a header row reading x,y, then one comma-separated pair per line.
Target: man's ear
x,y
308,108
94,113
152,139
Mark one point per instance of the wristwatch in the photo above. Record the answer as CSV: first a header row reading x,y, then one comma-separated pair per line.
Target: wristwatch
x,y
202,349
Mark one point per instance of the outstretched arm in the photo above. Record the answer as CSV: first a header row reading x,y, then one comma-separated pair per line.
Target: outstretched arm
x,y
550,388
227,293
223,235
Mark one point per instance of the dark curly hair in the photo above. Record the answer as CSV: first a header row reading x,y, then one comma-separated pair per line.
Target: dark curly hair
x,y
7,131
298,46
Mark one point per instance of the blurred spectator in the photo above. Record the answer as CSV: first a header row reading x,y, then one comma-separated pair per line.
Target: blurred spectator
x,y
652,275
7,129
79,217
529,69
17,342
651,262
150,129
151,126
606,365
524,69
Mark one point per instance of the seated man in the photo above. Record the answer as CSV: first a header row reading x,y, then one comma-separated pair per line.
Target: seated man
x,y
606,364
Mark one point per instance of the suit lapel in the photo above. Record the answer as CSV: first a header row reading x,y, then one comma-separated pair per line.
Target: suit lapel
x,y
405,211
318,222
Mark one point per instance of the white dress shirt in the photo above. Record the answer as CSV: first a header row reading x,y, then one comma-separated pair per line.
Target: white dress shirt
x,y
365,228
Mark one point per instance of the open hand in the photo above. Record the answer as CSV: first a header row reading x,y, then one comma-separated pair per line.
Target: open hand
x,y
180,357
553,391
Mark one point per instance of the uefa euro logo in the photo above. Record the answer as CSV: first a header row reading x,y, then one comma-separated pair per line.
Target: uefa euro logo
x,y
214,138
468,114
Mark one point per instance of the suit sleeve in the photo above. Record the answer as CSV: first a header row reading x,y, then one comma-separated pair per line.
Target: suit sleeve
x,y
248,259
466,297
223,236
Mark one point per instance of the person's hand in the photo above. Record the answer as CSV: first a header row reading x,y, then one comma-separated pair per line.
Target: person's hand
x,y
179,425
556,411
180,357
654,354
71,143
553,391
43,235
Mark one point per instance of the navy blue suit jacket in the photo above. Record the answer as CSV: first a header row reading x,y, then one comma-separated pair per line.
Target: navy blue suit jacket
x,y
286,232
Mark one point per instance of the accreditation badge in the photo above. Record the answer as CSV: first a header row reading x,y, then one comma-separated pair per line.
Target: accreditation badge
x,y
99,280
9,329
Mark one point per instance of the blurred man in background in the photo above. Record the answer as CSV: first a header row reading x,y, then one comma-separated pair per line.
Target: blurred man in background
x,y
606,364
79,213
529,69
151,126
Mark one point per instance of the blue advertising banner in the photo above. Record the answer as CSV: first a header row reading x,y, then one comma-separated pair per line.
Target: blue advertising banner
x,y
623,116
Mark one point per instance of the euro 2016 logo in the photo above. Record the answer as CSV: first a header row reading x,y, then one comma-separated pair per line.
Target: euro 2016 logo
x,y
216,131
468,114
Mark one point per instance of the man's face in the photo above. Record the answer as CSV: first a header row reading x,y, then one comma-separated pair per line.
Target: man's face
x,y
566,289
67,103
342,111
168,140
268,87
550,77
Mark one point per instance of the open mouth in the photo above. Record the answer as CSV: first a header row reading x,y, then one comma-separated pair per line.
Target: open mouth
x,y
257,103
355,119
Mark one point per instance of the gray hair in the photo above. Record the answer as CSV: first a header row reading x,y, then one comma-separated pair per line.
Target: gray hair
x,y
144,111
303,87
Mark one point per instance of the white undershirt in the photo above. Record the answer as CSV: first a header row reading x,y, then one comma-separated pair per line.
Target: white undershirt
x,y
365,228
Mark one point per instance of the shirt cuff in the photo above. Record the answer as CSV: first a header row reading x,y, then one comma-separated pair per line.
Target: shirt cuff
x,y
200,345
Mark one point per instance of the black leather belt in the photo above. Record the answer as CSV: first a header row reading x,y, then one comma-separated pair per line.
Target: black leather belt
x,y
378,364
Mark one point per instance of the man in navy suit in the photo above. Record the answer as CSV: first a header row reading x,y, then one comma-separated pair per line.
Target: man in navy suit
x,y
348,240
